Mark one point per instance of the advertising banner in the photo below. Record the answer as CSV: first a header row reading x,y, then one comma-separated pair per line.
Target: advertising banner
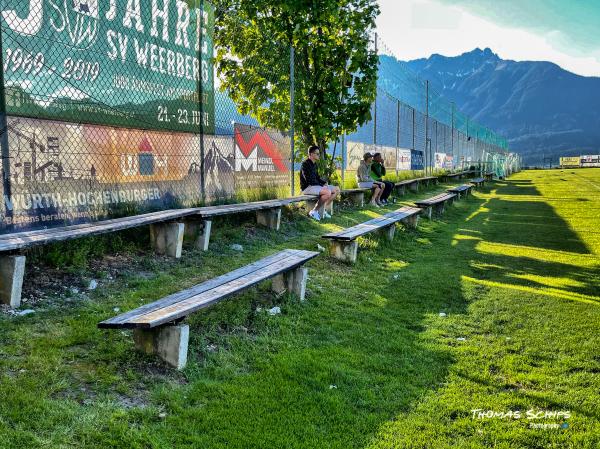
x,y
573,161
449,162
403,162
354,154
63,173
590,161
416,160
440,160
135,64
261,157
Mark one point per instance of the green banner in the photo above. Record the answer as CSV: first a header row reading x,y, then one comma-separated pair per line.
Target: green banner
x,y
130,63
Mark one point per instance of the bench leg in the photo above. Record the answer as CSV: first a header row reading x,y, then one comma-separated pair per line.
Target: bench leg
x,y
388,232
429,212
439,209
344,250
293,281
358,198
413,221
270,218
170,343
167,238
414,187
12,270
199,233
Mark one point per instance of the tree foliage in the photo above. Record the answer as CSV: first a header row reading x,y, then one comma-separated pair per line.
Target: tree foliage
x,y
335,63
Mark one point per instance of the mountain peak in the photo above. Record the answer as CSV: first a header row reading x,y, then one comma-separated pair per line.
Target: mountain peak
x,y
485,53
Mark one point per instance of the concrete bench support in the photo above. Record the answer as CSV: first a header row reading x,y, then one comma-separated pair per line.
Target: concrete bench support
x,y
271,218
345,251
412,221
357,198
170,343
293,281
401,190
199,232
414,186
440,208
12,270
388,232
167,238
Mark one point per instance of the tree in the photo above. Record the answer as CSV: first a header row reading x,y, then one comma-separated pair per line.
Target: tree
x,y
335,69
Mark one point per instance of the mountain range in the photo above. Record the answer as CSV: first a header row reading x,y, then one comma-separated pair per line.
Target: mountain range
x,y
543,110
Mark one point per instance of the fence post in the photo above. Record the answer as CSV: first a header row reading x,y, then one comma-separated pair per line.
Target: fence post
x,y
344,159
375,102
427,144
292,130
413,129
397,138
202,124
452,139
6,185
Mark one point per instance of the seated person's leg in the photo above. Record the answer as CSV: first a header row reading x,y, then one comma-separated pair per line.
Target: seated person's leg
x,y
387,190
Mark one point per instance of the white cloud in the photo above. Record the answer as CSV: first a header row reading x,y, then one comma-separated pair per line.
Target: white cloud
x,y
418,28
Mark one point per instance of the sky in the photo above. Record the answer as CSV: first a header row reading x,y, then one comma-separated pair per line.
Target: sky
x,y
566,32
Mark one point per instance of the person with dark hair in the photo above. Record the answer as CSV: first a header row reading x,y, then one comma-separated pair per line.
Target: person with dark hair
x,y
363,177
312,184
377,174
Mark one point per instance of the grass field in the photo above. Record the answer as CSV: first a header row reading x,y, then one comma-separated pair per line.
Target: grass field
x,y
365,362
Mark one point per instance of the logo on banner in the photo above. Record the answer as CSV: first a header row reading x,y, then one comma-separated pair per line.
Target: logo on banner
x,y
145,162
81,17
257,154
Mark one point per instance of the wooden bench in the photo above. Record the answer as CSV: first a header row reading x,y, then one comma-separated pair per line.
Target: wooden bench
x,y
167,230
460,190
437,202
356,196
451,176
411,184
478,182
268,214
157,326
489,176
428,180
343,244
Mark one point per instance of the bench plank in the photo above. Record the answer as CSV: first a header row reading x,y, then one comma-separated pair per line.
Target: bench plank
x,y
460,189
26,239
374,224
441,198
21,240
203,295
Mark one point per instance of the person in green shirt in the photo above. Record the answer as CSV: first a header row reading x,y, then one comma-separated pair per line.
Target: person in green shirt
x,y
377,174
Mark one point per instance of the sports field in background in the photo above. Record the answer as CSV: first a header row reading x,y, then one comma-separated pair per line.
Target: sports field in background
x,y
436,340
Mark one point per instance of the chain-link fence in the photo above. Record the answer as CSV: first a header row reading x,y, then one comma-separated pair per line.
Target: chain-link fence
x,y
114,107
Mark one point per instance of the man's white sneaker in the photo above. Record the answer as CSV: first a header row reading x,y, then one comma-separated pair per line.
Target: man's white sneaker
x,y
326,214
314,215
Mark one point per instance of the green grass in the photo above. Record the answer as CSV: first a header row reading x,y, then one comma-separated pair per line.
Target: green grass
x,y
365,362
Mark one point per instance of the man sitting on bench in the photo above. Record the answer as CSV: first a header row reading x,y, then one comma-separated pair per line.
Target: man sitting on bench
x,y
312,184
377,173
